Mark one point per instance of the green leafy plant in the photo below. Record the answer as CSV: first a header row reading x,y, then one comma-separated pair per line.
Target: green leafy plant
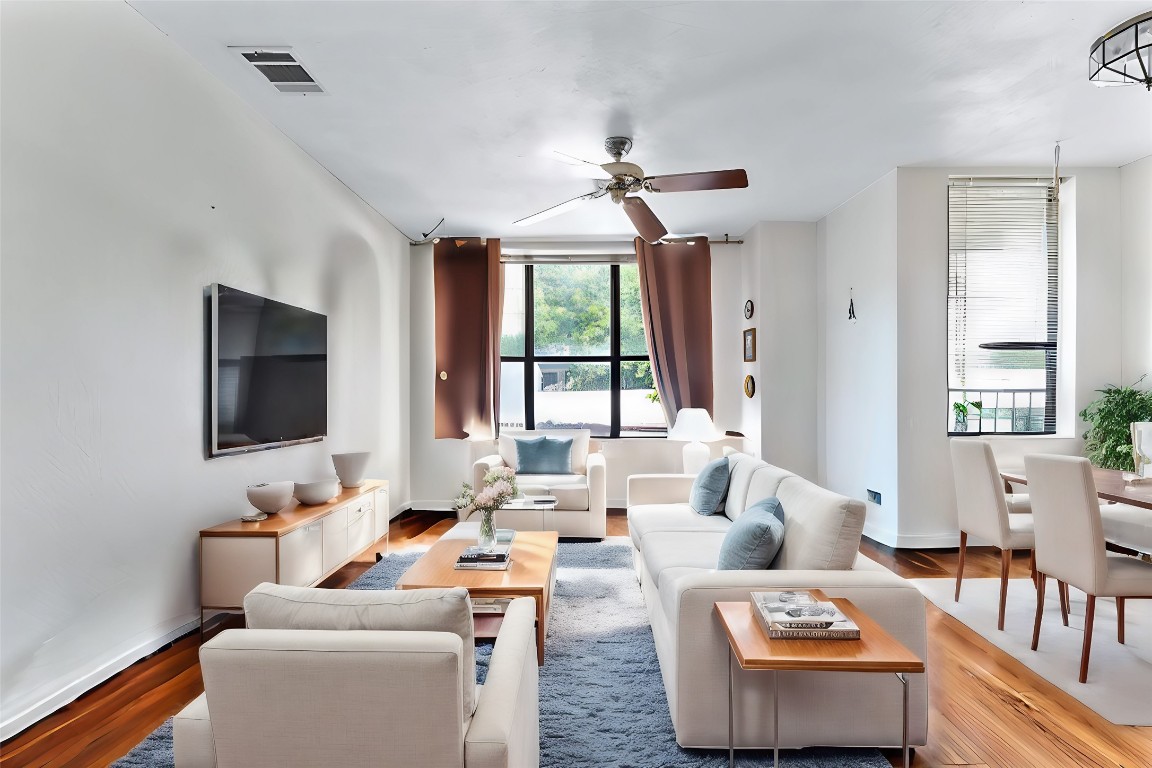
x,y
1108,441
960,411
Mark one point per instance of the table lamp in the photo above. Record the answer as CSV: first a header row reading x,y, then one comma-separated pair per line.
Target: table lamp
x,y
695,426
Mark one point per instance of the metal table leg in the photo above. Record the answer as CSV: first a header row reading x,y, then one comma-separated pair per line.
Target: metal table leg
x,y
904,737
775,718
731,744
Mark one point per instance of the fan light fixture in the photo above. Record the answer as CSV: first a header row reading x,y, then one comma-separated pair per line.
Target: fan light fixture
x,y
1123,56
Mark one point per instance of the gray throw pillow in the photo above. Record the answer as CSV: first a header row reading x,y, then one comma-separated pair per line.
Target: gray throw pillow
x,y
710,488
754,539
544,455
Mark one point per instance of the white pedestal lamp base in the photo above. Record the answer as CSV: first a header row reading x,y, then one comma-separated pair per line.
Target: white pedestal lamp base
x,y
696,455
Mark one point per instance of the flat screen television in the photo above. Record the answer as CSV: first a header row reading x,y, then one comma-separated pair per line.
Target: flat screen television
x,y
267,371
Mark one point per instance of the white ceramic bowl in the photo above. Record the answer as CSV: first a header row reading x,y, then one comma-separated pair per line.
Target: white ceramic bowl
x,y
317,492
270,498
350,467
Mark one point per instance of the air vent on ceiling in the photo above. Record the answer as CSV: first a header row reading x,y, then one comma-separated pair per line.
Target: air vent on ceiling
x,y
281,68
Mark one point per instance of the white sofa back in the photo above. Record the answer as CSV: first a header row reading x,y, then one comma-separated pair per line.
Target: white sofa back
x,y
506,445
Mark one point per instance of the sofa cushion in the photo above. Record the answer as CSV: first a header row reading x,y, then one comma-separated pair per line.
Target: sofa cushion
x,y
543,455
753,540
646,518
710,487
570,495
571,491
506,445
821,529
680,549
765,481
276,606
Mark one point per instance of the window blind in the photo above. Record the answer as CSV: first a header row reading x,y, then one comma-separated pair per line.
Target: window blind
x,y
1003,303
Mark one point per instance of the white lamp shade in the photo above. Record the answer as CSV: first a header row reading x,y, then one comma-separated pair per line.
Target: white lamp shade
x,y
693,424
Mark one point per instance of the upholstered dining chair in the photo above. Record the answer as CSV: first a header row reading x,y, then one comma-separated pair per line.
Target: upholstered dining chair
x,y
986,511
1070,544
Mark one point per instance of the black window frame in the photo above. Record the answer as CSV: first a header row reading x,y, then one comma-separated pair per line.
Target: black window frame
x,y
613,358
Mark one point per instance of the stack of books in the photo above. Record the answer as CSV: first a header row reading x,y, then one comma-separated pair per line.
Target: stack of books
x,y
475,558
797,615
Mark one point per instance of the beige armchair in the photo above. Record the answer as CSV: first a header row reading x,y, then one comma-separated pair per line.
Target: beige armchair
x,y
356,696
581,495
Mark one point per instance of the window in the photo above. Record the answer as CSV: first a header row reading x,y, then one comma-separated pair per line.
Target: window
x,y
1002,306
573,354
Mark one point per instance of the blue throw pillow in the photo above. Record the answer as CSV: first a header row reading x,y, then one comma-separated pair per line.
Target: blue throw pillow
x,y
754,539
710,488
544,455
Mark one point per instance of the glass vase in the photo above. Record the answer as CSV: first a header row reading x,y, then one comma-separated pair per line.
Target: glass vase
x,y
487,538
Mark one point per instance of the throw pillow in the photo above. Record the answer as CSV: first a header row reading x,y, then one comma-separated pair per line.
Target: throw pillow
x,y
754,539
544,455
278,606
710,487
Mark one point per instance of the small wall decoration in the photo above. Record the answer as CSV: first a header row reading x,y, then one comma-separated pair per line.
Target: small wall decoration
x,y
750,345
749,385
749,308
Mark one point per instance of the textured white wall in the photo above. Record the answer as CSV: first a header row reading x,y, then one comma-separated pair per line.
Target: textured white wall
x,y
131,180
859,359
1136,246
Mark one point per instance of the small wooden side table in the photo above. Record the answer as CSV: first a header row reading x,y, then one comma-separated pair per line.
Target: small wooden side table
x,y
875,651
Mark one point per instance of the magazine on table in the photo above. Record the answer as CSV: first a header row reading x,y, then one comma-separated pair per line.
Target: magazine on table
x,y
498,553
488,565
797,615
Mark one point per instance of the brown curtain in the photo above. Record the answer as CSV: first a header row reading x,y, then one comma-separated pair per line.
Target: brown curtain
x,y
676,303
468,310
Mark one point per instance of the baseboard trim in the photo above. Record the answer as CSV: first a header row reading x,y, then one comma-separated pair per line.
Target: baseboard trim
x,y
890,538
69,693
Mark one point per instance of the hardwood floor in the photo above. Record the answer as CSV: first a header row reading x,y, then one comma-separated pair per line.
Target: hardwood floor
x,y
987,709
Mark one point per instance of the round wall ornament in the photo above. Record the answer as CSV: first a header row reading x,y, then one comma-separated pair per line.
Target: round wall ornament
x,y
749,385
749,308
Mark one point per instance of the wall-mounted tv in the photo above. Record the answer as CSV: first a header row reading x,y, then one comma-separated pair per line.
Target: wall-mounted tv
x,y
267,372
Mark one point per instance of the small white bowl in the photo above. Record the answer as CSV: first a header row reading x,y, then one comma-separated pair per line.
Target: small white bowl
x,y
350,467
270,498
316,493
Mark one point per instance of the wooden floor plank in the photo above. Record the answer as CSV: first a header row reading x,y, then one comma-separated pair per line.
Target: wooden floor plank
x,y
987,710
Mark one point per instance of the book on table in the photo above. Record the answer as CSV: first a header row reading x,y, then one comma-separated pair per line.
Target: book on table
x,y
796,615
494,559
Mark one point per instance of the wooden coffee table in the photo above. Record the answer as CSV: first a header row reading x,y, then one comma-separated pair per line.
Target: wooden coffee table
x,y
532,573
875,651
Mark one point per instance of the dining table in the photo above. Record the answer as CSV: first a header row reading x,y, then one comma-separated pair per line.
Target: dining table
x,y
1126,511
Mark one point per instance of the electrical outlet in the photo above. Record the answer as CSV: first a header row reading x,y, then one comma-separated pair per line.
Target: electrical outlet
x,y
874,496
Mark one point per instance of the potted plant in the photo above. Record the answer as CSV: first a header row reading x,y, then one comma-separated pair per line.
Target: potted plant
x,y
960,411
1108,441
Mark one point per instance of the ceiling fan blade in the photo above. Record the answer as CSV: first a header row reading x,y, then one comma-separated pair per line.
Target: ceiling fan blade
x,y
559,208
737,178
643,219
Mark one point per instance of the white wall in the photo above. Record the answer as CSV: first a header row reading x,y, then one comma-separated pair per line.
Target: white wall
x,y
131,180
1136,247
859,358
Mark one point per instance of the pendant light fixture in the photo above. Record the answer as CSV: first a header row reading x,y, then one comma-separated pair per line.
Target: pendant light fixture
x,y
1123,56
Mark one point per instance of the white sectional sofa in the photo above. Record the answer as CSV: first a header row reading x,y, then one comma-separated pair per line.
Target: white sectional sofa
x,y
676,552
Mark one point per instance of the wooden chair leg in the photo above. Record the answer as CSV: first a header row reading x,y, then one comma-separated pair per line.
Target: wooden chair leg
x,y
1120,620
1041,579
1032,565
960,565
1005,565
1089,615
1062,591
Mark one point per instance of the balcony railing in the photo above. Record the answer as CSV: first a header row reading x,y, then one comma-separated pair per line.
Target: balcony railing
x,y
1004,411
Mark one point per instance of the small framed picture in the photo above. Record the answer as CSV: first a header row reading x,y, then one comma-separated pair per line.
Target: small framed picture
x,y
750,345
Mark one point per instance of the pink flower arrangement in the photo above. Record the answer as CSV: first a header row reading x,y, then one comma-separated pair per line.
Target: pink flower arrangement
x,y
499,488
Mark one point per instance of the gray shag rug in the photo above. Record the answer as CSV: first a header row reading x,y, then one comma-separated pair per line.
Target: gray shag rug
x,y
602,699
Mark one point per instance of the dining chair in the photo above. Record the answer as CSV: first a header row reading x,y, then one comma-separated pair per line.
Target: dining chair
x,y
986,511
1070,544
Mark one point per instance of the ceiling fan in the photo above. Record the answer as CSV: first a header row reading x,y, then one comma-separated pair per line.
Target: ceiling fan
x,y
629,177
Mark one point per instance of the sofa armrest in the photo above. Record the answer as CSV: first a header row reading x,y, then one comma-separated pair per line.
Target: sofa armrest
x,y
597,495
192,743
481,467
659,489
505,729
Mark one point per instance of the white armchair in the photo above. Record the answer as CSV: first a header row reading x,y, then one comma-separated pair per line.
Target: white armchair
x,y
352,696
581,496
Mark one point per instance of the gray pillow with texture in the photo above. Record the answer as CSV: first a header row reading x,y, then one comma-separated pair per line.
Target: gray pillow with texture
x,y
544,455
754,538
710,487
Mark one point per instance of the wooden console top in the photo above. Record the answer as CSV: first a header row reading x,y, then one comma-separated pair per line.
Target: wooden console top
x,y
293,516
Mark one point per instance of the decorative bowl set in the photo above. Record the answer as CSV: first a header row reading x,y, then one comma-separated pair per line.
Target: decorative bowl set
x,y
270,498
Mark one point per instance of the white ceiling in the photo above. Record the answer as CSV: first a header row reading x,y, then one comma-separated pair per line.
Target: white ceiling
x,y
453,108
